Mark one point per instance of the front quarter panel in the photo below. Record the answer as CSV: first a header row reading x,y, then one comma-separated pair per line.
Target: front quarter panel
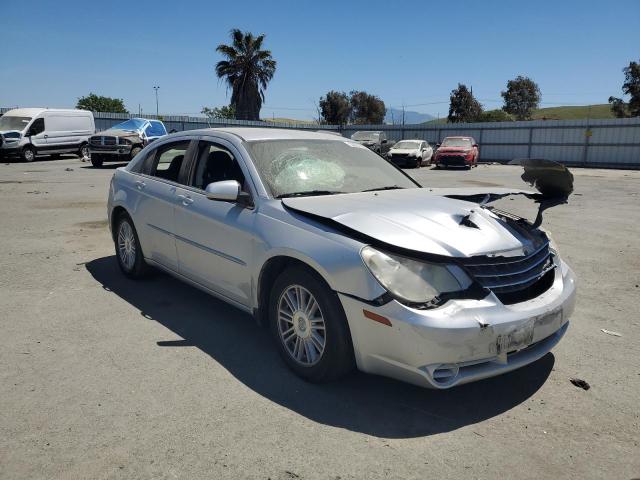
x,y
335,257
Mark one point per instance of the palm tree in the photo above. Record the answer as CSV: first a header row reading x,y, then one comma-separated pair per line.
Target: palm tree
x,y
247,70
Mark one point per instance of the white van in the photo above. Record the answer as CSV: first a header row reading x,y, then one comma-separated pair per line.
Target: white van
x,y
28,132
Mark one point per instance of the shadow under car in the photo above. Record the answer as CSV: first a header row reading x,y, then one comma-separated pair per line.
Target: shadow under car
x,y
362,403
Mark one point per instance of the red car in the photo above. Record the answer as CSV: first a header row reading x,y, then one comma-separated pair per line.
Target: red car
x,y
457,152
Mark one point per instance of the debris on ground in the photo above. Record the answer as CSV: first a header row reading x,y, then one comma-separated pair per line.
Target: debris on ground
x,y
68,169
578,382
610,332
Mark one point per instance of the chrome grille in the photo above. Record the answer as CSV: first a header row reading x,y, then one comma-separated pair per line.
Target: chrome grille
x,y
109,140
506,276
96,141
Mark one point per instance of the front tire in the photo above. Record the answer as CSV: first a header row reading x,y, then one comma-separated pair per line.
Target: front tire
x,y
309,326
96,161
28,154
134,151
128,249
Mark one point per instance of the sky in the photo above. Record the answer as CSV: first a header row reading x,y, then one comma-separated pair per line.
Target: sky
x,y
410,53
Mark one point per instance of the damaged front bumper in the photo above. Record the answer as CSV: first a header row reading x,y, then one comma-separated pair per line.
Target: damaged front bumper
x,y
462,341
111,152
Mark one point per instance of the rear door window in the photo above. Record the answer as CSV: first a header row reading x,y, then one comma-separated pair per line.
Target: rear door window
x,y
168,160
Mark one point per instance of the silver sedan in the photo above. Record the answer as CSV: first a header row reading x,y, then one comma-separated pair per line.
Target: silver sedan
x,y
347,260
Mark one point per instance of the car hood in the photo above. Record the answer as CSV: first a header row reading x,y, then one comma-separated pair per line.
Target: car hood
x,y
453,150
417,219
444,221
114,132
404,150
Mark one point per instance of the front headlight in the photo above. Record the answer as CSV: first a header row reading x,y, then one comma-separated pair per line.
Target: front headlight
x,y
412,281
124,141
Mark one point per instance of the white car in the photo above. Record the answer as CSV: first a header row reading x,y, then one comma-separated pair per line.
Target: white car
x,y
411,153
29,132
347,259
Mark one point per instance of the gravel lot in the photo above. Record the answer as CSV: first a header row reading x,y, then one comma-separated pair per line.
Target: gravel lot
x,y
103,377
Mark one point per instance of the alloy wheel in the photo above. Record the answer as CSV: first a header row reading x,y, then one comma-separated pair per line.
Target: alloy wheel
x,y
126,245
301,325
85,154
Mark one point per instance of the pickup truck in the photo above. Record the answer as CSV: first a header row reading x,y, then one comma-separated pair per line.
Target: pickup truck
x,y
122,142
376,141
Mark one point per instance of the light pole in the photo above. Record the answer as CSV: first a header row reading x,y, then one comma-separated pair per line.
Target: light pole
x,y
156,89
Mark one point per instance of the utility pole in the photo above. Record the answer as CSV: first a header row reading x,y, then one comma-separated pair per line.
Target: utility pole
x,y
156,89
402,136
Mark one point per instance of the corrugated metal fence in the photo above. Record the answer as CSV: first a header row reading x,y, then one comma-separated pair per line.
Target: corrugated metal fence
x,y
597,143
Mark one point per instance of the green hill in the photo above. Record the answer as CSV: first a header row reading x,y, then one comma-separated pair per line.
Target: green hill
x,y
573,112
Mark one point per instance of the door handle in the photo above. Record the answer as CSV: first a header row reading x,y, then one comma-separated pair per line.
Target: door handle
x,y
46,136
140,184
186,200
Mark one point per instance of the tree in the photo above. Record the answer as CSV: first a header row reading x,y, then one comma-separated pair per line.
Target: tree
x,y
619,107
247,70
497,115
366,108
227,111
631,87
521,98
98,103
335,108
463,107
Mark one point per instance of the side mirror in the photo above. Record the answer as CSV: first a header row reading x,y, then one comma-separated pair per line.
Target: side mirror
x,y
384,141
31,132
475,145
437,145
228,191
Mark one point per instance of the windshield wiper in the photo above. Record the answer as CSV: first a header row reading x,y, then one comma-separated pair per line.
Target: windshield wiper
x,y
390,187
308,193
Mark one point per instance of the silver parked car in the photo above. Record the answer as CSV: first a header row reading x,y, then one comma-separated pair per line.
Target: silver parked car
x,y
346,259
410,153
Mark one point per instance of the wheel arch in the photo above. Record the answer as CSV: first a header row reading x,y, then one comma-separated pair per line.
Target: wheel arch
x,y
117,211
270,270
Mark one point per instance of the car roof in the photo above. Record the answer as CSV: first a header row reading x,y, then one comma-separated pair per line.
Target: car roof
x,y
458,136
142,119
32,112
256,133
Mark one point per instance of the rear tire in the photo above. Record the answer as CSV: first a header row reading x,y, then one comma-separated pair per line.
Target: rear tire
x,y
128,249
84,153
28,154
96,161
309,326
